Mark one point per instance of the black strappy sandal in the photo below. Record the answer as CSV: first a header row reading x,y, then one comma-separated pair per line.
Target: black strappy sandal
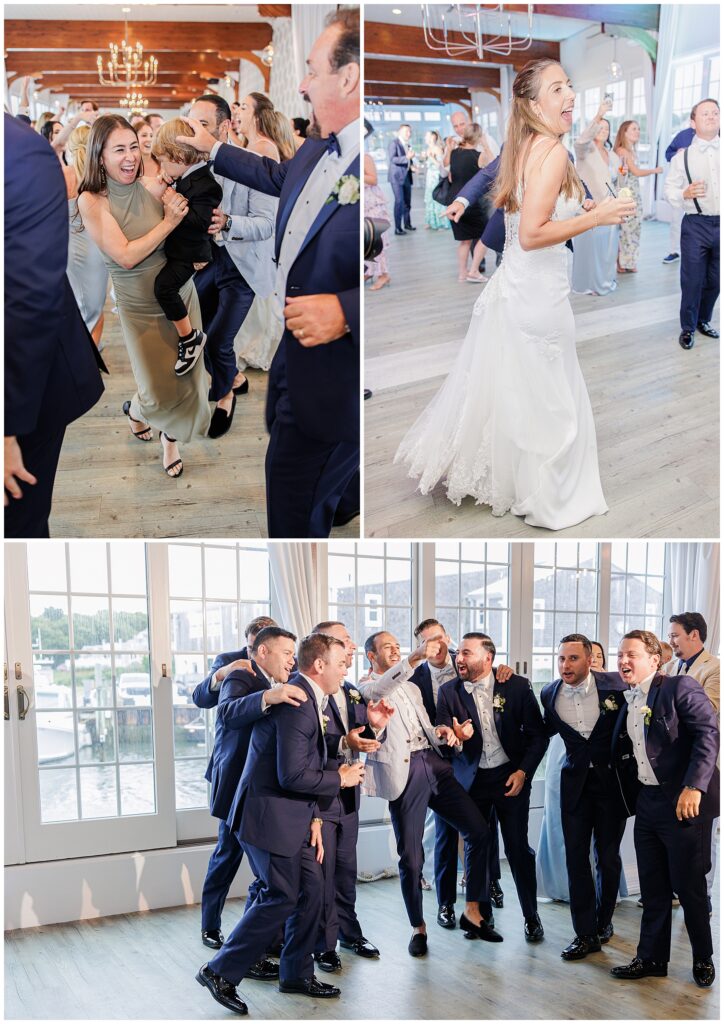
x,y
178,462
137,433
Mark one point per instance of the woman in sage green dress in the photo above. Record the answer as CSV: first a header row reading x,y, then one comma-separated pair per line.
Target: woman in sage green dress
x,y
129,219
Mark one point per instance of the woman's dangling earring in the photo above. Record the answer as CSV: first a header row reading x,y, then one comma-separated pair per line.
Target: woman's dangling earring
x,y
103,175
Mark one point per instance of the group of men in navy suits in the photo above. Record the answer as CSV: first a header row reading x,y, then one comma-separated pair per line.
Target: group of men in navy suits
x,y
286,774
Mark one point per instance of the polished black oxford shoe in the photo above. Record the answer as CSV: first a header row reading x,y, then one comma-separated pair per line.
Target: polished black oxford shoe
x,y
310,987
362,947
704,972
706,328
212,938
222,990
496,894
581,946
604,934
639,968
686,339
263,970
446,916
533,929
329,960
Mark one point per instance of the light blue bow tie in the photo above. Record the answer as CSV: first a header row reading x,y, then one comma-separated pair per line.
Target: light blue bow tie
x,y
469,687
711,144
571,691
630,695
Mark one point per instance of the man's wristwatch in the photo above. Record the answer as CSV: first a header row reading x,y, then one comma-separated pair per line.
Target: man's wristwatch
x,y
227,226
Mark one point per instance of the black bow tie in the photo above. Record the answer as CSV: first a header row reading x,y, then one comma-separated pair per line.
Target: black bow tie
x,y
333,144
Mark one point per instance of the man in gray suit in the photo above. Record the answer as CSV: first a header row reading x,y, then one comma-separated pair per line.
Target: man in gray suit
x,y
411,772
242,267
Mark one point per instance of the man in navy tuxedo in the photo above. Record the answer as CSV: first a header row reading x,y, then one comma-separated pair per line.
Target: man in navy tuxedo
x,y
348,720
287,771
666,743
246,695
399,175
51,363
582,706
312,411
206,693
503,742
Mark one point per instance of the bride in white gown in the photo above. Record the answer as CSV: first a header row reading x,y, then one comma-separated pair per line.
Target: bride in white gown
x,y
512,424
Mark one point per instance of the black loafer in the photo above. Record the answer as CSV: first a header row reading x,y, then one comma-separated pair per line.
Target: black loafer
x,y
533,929
641,969
362,947
496,894
704,972
604,934
686,339
212,938
581,947
706,328
263,970
242,389
409,227
222,990
329,960
418,944
484,930
446,916
221,420
310,987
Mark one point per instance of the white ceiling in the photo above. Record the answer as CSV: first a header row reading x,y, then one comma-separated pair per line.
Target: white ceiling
x,y
545,26
139,12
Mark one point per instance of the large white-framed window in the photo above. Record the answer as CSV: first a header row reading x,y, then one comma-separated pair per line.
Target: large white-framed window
x,y
638,600
473,590
371,586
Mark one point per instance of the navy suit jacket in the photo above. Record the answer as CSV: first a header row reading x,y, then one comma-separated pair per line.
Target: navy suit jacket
x,y
240,706
581,752
52,367
317,389
398,163
682,743
286,772
203,696
349,798
519,726
422,679
682,140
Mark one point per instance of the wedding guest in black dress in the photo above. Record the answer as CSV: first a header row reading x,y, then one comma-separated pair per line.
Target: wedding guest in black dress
x,y
465,162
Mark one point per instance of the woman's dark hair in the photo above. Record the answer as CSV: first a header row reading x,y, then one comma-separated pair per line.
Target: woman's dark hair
x,y
300,125
595,643
47,129
607,143
94,179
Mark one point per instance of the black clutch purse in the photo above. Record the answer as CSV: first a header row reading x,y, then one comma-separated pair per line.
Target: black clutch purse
x,y
442,193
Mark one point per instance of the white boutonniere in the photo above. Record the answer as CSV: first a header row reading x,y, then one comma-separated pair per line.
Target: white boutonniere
x,y
646,712
355,696
345,191
498,703
325,721
609,704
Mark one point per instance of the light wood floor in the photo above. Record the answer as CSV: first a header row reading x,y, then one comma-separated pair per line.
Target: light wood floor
x,y
143,966
111,485
655,405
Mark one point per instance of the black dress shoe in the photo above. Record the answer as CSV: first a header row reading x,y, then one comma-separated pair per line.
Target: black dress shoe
x,y
496,894
221,420
367,394
263,970
706,328
581,947
329,960
533,929
641,969
310,987
704,972
446,916
362,947
222,990
686,339
418,944
399,231
212,938
342,520
484,930
409,227
604,934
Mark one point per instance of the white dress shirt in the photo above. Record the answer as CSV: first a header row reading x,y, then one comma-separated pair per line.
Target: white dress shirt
x,y
703,166
578,706
194,167
493,754
635,728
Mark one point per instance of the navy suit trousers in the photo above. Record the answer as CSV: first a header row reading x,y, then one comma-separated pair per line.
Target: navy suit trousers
x,y
671,857
307,482
28,516
699,269
225,299
432,784
339,868
223,865
488,792
594,815
291,888
402,191
446,858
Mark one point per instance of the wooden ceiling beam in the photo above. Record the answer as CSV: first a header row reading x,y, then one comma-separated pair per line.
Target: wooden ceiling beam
x,y
412,92
430,73
275,10
25,63
157,36
409,41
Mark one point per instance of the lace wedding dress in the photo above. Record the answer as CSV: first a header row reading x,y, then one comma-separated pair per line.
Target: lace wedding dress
x,y
512,424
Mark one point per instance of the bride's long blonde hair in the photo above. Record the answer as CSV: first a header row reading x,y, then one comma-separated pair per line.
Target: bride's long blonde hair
x,y
523,125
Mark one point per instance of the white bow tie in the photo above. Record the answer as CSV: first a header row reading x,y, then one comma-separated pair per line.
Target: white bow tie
x,y
711,144
471,686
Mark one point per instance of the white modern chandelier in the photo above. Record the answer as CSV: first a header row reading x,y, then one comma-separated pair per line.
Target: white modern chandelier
x,y
485,29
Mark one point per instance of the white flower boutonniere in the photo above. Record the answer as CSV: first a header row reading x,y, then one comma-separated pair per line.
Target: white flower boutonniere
x,y
646,712
609,704
346,191
498,703
325,722
355,696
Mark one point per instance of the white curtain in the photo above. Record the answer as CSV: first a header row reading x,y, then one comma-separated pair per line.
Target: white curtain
x,y
295,586
307,24
694,583
669,18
